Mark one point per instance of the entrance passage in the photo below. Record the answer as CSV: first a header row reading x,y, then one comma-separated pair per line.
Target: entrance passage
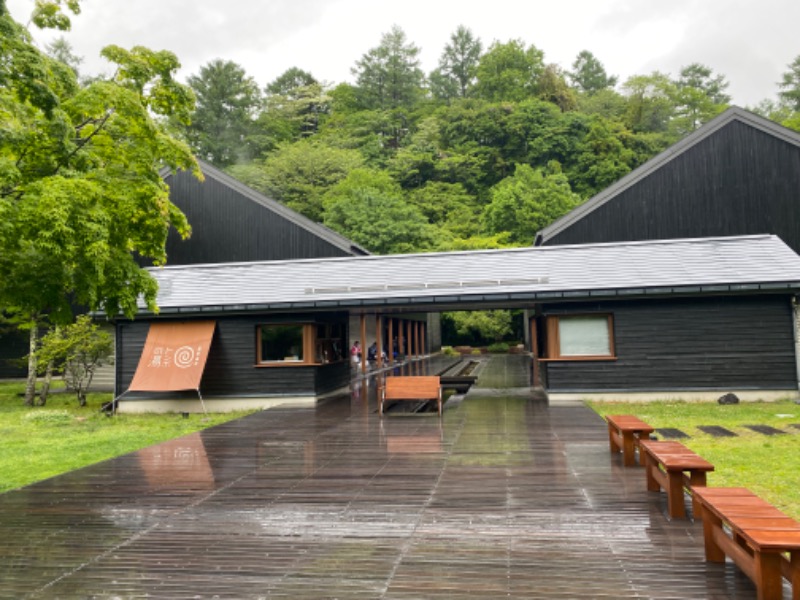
x,y
503,497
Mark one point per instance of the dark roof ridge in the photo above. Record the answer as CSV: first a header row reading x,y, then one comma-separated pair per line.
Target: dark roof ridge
x,y
734,113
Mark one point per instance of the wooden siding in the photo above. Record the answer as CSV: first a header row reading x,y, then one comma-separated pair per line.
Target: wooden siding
x,y
227,226
231,370
691,343
738,181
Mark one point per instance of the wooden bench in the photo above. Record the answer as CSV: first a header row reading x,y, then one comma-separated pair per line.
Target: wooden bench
x,y
763,541
422,387
624,434
671,466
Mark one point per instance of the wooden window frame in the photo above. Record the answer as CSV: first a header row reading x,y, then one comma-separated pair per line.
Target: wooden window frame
x,y
309,337
553,341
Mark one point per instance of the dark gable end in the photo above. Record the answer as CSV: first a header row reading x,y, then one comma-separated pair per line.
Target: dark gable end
x,y
234,223
737,175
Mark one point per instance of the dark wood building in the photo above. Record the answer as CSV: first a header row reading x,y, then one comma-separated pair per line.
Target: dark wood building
x,y
739,174
234,223
677,318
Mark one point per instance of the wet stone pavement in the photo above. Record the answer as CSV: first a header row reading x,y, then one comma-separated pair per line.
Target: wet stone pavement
x,y
504,497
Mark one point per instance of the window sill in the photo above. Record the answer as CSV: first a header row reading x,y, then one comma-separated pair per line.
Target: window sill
x,y
295,363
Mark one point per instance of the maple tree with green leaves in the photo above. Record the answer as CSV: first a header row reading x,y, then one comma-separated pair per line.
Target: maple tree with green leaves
x,y
82,199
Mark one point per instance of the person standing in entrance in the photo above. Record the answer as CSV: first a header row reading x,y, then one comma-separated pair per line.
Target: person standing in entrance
x,y
355,352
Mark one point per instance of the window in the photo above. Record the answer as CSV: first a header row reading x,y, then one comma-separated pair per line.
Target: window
x,y
580,337
330,343
300,344
282,343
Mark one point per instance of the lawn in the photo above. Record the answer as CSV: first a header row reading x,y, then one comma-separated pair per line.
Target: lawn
x,y
768,465
40,442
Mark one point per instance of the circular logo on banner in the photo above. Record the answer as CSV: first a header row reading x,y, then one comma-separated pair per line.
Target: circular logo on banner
x,y
184,357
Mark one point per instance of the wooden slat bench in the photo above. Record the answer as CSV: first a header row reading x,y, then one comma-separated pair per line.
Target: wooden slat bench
x,y
763,541
420,387
671,466
624,434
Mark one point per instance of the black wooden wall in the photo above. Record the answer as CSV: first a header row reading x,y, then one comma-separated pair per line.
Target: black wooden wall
x,y
229,226
743,342
14,347
230,369
737,181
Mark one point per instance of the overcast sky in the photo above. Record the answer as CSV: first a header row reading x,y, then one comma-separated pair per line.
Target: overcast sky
x,y
750,42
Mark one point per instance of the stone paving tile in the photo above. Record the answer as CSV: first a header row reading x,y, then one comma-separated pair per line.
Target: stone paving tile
x,y
716,431
766,429
504,497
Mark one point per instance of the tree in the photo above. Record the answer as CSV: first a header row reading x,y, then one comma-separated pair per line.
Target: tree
x,y
589,75
601,157
528,201
553,88
509,72
458,65
699,96
298,100
389,76
227,104
448,206
81,195
299,174
481,325
77,350
790,85
61,50
288,82
368,208
650,102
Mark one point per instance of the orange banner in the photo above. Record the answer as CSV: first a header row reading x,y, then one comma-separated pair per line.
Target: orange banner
x,y
174,357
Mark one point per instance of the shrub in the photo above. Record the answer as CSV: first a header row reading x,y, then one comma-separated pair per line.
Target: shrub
x,y
498,348
450,351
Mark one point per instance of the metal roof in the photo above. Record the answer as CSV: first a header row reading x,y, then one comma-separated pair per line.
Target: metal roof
x,y
512,276
733,113
317,229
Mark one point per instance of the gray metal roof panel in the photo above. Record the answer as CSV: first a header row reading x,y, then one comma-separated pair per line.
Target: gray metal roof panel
x,y
733,113
491,274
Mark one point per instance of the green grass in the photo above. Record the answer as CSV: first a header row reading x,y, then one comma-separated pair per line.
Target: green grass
x,y
767,465
40,442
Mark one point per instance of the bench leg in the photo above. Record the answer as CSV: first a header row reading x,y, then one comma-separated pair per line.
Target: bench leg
x,y
649,465
714,553
612,439
696,479
768,575
794,574
675,503
628,451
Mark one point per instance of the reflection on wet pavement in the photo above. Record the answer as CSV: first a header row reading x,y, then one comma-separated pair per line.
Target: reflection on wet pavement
x,y
502,497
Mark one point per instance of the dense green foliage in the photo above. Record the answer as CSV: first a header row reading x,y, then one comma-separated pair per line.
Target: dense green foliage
x,y
82,197
768,465
492,145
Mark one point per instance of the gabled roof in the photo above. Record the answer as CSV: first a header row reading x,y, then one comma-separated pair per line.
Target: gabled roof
x,y
511,276
317,229
730,115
